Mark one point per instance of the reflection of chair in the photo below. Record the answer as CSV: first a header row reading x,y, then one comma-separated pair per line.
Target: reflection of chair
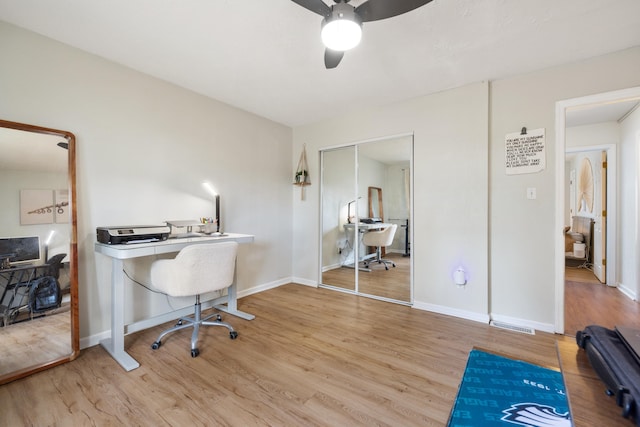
x,y
197,269
54,264
380,239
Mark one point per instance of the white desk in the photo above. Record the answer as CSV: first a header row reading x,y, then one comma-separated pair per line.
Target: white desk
x,y
362,255
118,253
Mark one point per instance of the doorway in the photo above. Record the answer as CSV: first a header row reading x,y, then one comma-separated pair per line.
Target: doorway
x,y
587,113
366,195
588,207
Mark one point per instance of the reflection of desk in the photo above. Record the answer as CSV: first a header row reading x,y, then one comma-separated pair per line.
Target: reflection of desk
x,y
362,256
118,253
15,283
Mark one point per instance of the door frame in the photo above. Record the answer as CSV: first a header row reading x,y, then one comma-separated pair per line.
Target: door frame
x,y
561,109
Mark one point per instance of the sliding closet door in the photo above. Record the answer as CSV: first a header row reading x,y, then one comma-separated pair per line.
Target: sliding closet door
x,y
338,193
384,182
367,187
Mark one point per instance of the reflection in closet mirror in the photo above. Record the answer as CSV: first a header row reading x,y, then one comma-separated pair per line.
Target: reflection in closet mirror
x,y
37,172
357,175
375,203
338,187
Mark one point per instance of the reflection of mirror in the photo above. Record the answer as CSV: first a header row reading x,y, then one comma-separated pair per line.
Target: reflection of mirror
x,y
37,172
375,203
354,176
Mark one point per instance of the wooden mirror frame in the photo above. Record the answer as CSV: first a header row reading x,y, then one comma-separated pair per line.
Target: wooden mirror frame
x,y
73,252
371,201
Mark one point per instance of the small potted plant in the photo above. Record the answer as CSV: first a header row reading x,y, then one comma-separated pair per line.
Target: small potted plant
x,y
301,176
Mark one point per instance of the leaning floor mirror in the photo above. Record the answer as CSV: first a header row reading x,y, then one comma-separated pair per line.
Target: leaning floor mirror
x,y
38,250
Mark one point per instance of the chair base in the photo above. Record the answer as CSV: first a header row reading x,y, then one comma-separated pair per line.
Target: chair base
x,y
379,260
385,262
195,322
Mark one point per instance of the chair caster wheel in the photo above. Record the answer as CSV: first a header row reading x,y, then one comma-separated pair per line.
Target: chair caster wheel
x,y
233,335
195,352
156,345
219,318
179,322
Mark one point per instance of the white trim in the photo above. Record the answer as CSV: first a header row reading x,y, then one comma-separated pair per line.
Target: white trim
x,y
363,141
304,282
441,309
628,292
561,108
95,339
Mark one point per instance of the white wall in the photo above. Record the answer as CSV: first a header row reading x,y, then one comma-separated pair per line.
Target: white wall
x,y
467,210
630,211
11,184
450,196
145,145
523,231
143,148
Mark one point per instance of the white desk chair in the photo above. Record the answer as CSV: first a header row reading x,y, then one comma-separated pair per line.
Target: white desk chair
x,y
197,269
379,240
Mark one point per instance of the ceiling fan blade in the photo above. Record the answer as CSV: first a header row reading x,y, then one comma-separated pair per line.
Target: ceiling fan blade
x,y
375,10
315,6
332,58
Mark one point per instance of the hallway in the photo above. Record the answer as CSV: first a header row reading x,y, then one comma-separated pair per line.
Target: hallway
x,y
588,302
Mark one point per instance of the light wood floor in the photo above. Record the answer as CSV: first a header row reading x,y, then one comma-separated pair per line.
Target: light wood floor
x,y
394,283
34,342
589,302
312,357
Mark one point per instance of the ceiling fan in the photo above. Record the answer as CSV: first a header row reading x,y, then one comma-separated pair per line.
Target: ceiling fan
x,y
342,23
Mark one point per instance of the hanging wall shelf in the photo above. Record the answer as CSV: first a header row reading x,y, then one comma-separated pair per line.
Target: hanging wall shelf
x,y
301,177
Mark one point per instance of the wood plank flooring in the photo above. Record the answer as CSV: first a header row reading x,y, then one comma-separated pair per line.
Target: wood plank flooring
x,y
394,283
36,341
588,302
312,357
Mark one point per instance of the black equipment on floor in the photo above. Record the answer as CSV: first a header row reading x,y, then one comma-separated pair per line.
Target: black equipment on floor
x,y
614,359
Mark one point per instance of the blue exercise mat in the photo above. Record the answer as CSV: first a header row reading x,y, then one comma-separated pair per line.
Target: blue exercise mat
x,y
498,391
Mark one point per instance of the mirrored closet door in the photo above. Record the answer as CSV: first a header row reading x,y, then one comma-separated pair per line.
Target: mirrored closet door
x,y
366,219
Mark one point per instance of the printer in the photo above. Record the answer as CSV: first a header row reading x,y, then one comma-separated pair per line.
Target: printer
x,y
132,234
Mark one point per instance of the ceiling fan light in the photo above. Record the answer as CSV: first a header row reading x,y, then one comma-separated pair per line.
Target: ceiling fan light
x,y
340,33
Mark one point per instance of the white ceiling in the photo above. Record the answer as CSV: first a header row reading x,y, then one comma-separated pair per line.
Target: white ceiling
x,y
266,57
600,113
28,151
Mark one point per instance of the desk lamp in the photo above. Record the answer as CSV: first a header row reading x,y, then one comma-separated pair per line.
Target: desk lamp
x,y
46,244
349,217
216,196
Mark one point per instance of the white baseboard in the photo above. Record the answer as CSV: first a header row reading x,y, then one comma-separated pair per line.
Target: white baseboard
x,y
628,292
464,314
92,340
264,287
306,282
